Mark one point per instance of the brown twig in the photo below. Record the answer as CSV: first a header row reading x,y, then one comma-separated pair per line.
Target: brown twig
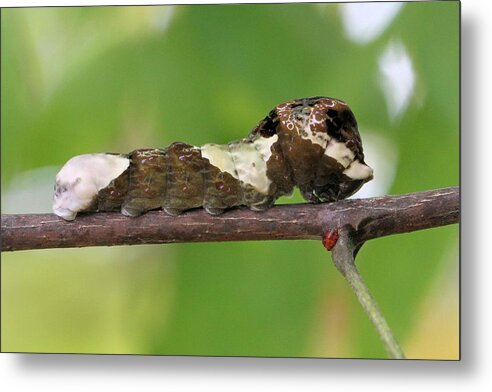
x,y
371,218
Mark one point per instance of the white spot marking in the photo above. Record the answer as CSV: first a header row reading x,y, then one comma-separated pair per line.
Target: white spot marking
x,y
358,171
319,138
79,180
340,152
305,126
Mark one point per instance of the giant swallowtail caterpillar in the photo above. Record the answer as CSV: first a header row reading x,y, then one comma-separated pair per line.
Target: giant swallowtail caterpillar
x,y
312,143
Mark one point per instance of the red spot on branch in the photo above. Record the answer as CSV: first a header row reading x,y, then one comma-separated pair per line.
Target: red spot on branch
x,y
330,239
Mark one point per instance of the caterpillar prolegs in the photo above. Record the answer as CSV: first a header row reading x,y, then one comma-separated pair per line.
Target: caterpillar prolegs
x,y
312,143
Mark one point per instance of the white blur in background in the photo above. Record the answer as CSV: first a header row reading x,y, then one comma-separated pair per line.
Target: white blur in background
x,y
381,154
397,78
365,22
30,192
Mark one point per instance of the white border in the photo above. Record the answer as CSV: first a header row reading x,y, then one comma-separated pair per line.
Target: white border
x,y
30,3
473,373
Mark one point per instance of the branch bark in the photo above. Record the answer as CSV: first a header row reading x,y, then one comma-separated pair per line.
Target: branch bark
x,y
370,218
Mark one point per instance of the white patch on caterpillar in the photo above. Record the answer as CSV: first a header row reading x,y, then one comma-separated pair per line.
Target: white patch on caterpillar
x,y
306,124
250,159
220,157
81,178
358,171
340,152
264,146
319,138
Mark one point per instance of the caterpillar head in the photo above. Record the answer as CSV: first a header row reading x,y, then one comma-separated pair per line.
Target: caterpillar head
x,y
81,178
342,170
321,142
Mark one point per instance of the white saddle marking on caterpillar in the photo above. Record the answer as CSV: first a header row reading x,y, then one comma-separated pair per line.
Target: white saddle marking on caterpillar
x,y
81,178
220,157
244,160
250,159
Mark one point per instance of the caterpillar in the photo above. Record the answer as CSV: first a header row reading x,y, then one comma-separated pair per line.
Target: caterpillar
x,y
309,143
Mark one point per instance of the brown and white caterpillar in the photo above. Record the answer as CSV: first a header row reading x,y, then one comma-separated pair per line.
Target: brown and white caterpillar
x,y
312,143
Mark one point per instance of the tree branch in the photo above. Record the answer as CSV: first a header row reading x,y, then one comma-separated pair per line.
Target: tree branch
x,y
370,218
352,221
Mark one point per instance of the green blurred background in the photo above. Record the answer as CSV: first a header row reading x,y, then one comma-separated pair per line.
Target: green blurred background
x,y
80,80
